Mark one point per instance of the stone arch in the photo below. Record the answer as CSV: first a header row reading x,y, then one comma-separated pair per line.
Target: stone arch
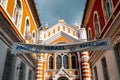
x,y
63,78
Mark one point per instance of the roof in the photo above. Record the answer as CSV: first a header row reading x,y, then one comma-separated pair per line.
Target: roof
x,y
34,12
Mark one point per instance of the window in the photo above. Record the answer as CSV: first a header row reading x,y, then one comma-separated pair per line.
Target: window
x,y
68,30
48,34
89,34
30,77
97,26
33,37
27,30
59,62
74,33
54,31
107,5
74,62
22,71
105,70
117,54
9,67
65,61
50,62
95,73
58,28
17,14
4,3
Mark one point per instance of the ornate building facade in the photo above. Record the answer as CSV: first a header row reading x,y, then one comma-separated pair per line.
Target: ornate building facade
x,y
19,22
102,20
62,65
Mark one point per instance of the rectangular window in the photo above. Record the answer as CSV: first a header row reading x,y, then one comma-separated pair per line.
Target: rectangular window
x,y
22,72
105,70
30,75
9,66
95,73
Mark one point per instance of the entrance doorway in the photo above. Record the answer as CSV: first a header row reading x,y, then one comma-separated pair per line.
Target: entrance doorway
x,y
62,78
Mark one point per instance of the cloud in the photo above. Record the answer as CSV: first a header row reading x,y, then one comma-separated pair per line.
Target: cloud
x,y
52,10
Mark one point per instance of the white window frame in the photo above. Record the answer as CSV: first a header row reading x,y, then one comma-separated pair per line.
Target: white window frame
x,y
89,35
105,13
27,18
18,25
53,61
75,60
34,38
97,36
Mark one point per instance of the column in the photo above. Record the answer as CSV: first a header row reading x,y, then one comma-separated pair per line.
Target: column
x,y
85,67
39,68
69,60
54,61
79,64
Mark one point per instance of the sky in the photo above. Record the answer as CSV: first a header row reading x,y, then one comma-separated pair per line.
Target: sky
x,y
50,11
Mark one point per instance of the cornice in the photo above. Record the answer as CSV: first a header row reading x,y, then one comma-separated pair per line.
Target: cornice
x,y
61,34
87,12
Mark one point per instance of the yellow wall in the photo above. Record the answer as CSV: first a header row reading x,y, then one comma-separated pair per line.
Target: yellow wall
x,y
61,39
25,13
10,7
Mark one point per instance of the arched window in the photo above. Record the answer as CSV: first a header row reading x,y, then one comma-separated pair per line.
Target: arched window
x,y
33,37
89,34
74,33
68,30
107,5
17,14
58,28
50,62
74,62
48,34
54,31
65,61
97,26
27,29
59,62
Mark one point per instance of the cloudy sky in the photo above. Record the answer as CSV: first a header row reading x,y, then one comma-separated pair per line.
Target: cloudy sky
x,y
51,11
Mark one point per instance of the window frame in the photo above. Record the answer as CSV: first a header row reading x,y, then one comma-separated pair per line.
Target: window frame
x,y
19,20
33,37
27,29
74,61
65,63
60,62
89,33
105,13
97,30
95,73
50,62
105,69
22,71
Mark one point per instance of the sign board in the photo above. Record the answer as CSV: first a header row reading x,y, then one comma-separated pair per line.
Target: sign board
x,y
103,44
